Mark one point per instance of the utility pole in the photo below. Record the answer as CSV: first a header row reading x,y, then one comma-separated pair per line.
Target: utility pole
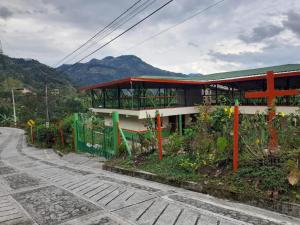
x,y
47,109
14,106
46,98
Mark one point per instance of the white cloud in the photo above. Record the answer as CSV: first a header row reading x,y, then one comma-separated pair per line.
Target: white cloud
x,y
236,46
48,30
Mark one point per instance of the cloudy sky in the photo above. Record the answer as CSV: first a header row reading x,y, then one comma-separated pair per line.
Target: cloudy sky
x,y
236,34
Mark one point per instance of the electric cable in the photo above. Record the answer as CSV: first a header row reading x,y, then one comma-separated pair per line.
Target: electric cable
x,y
127,30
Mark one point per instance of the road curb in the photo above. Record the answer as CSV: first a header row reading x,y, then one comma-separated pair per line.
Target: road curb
x,y
290,209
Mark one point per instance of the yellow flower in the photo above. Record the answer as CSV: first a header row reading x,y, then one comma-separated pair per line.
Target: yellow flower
x,y
257,141
231,110
204,116
225,109
282,114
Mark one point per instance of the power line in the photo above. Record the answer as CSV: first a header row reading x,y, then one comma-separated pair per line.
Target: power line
x,y
132,6
175,25
130,28
131,15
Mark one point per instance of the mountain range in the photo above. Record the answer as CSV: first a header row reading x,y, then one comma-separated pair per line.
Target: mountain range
x,y
63,98
111,68
32,74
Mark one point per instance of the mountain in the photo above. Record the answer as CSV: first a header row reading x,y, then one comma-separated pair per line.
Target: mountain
x,y
196,75
111,68
31,74
30,104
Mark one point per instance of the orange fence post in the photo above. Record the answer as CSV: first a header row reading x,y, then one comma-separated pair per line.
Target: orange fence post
x,y
236,136
62,137
159,136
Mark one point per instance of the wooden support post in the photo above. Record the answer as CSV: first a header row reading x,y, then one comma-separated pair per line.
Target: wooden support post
x,y
119,96
159,136
31,132
104,98
62,137
217,97
236,136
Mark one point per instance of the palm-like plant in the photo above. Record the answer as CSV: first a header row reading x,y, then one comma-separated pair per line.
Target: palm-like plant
x,y
5,120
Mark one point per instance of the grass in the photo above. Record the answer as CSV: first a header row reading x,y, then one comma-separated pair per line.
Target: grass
x,y
251,180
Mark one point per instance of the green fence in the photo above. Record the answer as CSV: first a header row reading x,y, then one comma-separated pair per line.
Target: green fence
x,y
104,141
97,141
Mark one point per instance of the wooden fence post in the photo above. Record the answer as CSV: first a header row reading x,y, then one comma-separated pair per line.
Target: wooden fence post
x,y
62,137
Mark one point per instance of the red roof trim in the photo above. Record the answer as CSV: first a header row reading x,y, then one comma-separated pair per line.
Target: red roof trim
x,y
170,81
106,84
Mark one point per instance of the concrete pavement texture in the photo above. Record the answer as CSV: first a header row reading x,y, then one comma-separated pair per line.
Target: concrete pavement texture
x,y
39,187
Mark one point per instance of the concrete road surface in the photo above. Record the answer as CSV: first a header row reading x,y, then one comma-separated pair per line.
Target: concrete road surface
x,y
39,187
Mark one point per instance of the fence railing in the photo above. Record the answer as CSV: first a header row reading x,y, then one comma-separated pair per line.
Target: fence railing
x,y
97,141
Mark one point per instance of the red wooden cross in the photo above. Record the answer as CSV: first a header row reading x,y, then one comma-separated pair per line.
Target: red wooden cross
x,y
271,93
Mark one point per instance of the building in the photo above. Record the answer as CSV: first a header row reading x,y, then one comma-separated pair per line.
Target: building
x,y
176,98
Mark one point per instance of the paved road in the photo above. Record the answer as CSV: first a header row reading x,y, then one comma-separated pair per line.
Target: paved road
x,y
39,187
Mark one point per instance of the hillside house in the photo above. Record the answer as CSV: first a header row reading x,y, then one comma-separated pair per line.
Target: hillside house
x,y
176,98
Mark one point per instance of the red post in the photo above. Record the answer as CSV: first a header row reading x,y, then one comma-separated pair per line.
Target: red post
x,y
62,137
236,137
159,136
271,93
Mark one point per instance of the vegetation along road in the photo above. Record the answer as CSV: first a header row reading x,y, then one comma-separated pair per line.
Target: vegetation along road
x,y
39,187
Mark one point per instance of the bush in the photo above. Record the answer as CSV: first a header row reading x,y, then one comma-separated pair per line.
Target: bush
x,y
66,126
174,144
46,137
268,178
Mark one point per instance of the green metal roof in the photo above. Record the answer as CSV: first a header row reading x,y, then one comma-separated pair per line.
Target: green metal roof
x,y
233,74
251,72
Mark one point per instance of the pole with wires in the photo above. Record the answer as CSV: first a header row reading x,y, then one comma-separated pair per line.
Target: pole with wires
x,y
46,102
46,99
14,107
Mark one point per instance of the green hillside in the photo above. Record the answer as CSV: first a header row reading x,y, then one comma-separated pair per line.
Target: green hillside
x,y
32,75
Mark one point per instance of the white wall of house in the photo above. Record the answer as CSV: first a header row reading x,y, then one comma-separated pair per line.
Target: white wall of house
x,y
132,123
143,114
136,120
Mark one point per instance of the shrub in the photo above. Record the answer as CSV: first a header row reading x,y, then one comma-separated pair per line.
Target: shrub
x,y
46,137
174,144
268,178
